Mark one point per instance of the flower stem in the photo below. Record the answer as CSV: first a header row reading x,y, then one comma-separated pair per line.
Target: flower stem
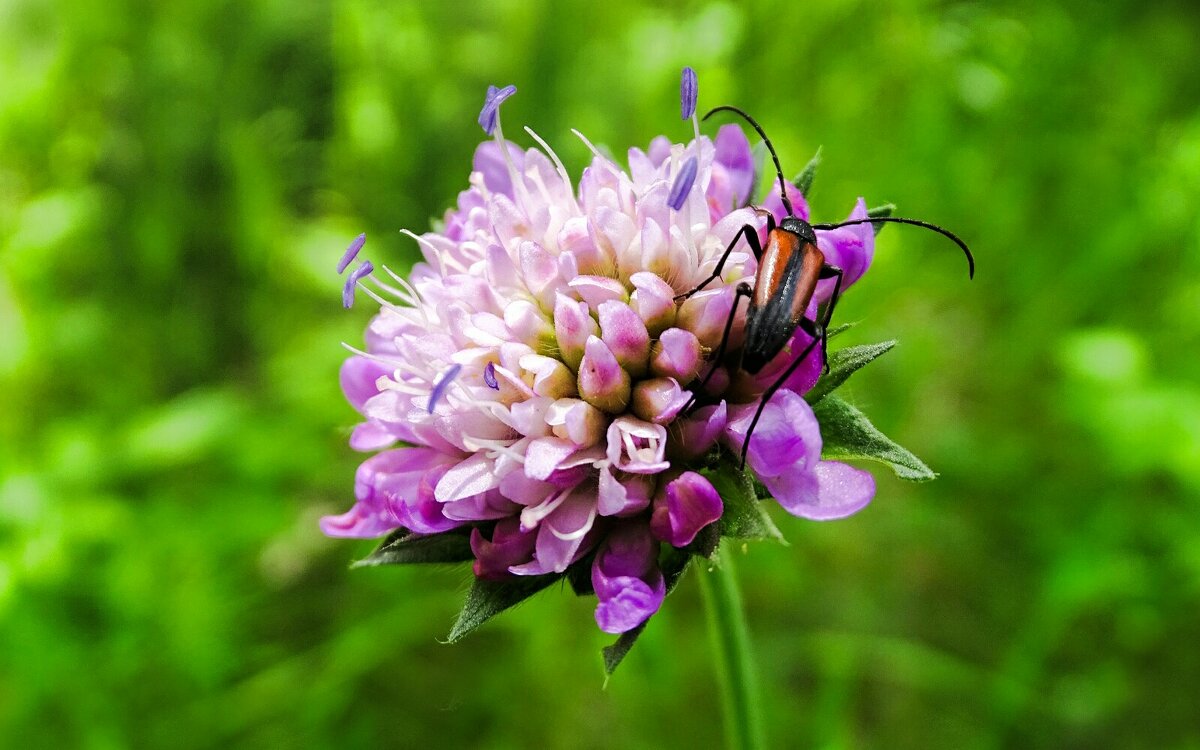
x,y
735,663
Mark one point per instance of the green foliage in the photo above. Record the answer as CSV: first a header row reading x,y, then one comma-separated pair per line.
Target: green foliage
x,y
804,180
881,212
403,547
177,181
744,516
842,364
486,599
848,435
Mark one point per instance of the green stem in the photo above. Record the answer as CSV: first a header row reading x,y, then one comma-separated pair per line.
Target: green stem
x,y
735,663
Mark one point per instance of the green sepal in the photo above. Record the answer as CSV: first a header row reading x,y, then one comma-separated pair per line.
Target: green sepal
x,y
486,599
847,434
880,212
842,364
744,517
403,547
579,575
673,564
804,180
706,541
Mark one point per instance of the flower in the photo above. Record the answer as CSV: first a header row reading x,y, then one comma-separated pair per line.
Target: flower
x,y
536,379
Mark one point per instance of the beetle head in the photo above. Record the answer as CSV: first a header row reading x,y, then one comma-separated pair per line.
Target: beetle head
x,y
800,228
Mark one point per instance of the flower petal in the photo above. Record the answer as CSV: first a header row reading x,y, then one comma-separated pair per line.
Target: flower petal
x,y
684,507
787,435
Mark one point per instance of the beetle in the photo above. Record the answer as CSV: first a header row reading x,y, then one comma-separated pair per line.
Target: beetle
x,y
789,268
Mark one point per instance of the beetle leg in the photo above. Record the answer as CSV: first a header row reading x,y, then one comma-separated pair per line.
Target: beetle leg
x,y
751,233
769,216
743,290
771,389
829,272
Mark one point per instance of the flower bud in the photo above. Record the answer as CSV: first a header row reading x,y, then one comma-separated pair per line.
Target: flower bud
x,y
572,327
602,382
659,400
575,239
676,354
705,313
577,421
626,336
551,377
539,271
528,324
653,300
596,290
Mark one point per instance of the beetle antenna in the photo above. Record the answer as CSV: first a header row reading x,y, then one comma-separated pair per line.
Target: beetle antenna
x,y
787,203
916,223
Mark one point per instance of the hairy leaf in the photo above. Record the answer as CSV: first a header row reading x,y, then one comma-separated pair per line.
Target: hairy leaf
x,y
831,332
402,547
804,180
486,599
744,517
842,364
848,434
880,212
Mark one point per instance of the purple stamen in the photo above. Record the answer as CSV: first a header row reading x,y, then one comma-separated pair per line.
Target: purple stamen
x,y
489,376
348,290
491,106
352,251
683,184
688,88
439,390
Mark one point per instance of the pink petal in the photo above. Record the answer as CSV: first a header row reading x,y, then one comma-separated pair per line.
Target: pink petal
x,y
688,504
473,476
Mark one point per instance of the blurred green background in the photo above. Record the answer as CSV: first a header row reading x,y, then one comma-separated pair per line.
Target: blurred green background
x,y
177,181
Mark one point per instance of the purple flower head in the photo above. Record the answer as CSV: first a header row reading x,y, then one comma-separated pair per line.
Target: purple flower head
x,y
688,89
542,368
491,106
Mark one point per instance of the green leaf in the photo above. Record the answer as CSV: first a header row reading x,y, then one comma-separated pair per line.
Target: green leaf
x,y
403,547
804,180
842,364
486,599
848,434
880,212
744,516
673,565
706,541
831,332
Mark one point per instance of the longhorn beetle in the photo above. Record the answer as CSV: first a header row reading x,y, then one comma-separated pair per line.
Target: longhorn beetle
x,y
788,271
